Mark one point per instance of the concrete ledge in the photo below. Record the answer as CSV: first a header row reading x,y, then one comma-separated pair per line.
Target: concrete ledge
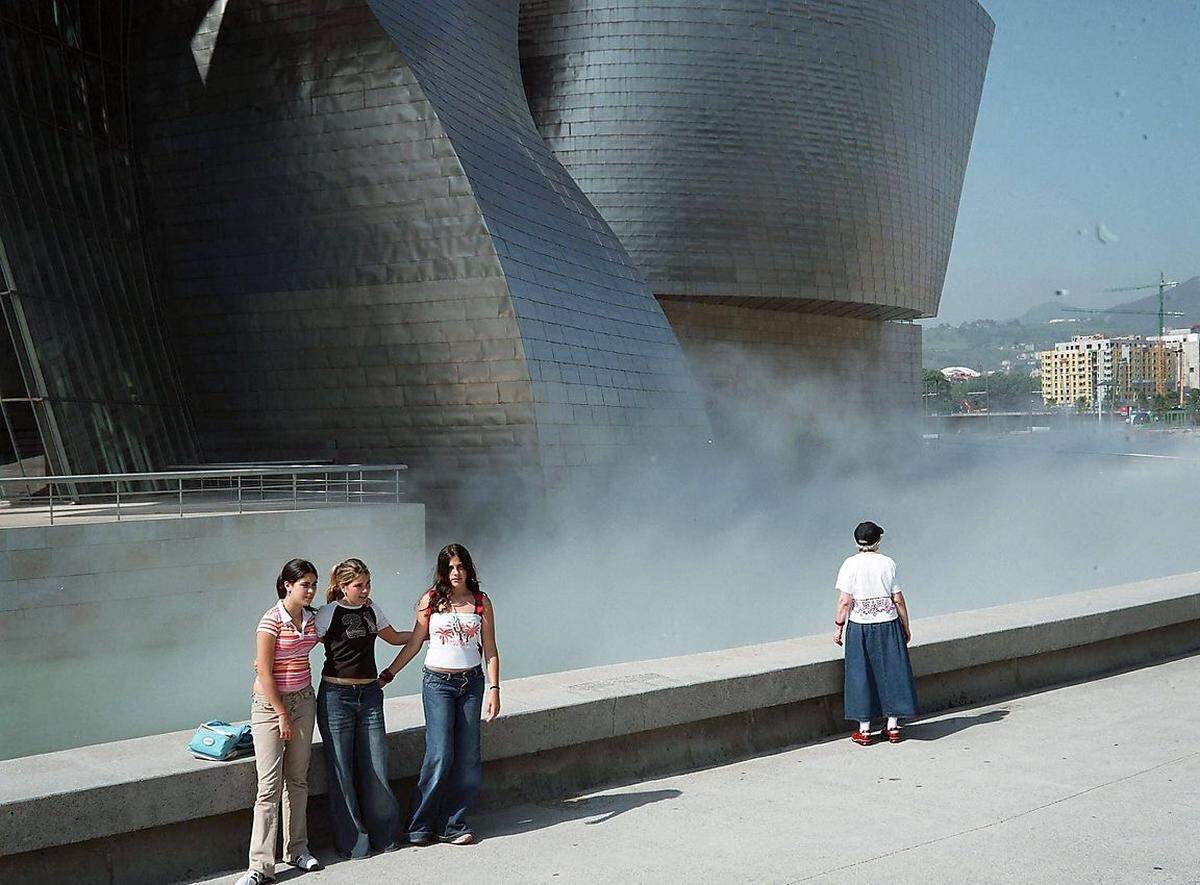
x,y
567,731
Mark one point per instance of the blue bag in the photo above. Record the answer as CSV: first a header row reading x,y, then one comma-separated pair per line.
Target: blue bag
x,y
219,741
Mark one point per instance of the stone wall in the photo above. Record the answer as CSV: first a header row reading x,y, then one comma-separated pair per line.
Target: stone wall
x,y
144,811
144,626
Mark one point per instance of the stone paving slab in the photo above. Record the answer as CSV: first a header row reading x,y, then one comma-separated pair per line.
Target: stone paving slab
x,y
1094,782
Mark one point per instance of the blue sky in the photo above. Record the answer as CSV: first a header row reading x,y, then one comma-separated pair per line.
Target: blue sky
x,y
1090,116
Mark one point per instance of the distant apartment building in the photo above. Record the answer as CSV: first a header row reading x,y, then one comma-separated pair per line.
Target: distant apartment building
x,y
1186,344
1074,370
1113,369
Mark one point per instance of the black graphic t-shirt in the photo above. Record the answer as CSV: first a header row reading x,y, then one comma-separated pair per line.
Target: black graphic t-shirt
x,y
349,634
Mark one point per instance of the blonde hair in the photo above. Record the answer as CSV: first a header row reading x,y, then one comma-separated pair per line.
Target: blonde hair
x,y
343,573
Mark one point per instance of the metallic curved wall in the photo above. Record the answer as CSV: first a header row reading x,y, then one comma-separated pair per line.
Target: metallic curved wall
x,y
333,287
358,269
366,250
607,370
804,156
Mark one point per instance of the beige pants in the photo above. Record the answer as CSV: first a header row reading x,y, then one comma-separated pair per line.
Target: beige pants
x,y
282,773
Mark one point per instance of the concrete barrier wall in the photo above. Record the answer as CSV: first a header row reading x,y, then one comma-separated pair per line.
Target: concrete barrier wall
x,y
115,629
98,813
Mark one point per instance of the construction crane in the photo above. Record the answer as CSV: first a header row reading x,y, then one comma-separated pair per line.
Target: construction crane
x,y
1162,285
1160,362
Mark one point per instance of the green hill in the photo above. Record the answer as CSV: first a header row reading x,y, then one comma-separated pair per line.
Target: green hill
x,y
986,344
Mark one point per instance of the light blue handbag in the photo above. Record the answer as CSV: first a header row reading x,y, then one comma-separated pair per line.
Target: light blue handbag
x,y
219,741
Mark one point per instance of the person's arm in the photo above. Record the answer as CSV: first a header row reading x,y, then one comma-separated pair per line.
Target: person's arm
x,y
264,666
845,600
902,610
491,654
392,636
420,632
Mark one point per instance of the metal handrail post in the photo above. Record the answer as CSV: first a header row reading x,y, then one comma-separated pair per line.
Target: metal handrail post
x,y
327,488
118,485
51,487
397,486
181,497
295,495
239,487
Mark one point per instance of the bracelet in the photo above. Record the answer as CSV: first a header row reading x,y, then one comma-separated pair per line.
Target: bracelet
x,y
839,623
490,687
386,675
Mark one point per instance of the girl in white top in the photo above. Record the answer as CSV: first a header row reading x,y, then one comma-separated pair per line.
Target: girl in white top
x,y
457,618
872,611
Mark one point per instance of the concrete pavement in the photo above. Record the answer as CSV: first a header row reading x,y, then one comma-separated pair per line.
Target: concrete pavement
x,y
1094,782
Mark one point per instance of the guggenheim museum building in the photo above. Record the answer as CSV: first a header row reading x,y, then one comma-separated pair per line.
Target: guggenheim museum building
x,y
517,236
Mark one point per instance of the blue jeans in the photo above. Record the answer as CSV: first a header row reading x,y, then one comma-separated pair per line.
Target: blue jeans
x,y
362,805
453,766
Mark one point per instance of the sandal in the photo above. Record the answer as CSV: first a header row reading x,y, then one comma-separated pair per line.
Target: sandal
x,y
893,735
863,739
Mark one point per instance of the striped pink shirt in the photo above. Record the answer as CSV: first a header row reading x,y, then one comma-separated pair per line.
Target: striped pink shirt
x,y
291,670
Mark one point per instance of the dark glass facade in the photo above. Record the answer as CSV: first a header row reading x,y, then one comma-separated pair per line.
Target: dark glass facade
x,y
82,319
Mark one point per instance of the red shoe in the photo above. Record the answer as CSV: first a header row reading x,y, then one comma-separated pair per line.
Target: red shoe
x,y
864,739
893,735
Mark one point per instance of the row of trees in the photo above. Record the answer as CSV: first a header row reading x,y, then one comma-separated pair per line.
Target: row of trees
x,y
1020,393
998,393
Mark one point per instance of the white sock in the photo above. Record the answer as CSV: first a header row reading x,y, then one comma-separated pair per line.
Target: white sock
x,y
864,726
893,722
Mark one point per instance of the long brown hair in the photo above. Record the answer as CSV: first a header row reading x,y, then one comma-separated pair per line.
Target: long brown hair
x,y
439,592
343,573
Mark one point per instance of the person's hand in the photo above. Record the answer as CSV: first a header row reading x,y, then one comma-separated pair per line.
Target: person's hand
x,y
837,634
285,727
907,636
491,706
385,676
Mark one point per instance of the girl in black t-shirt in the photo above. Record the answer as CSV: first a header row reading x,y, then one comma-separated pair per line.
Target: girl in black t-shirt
x,y
350,713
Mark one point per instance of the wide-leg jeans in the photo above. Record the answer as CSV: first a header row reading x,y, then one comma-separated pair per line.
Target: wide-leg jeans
x,y
363,808
453,767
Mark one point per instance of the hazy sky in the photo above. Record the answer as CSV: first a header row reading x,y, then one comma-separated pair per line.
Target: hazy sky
x,y
1090,116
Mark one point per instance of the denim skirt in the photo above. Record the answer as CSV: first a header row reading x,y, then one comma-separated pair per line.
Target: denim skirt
x,y
879,680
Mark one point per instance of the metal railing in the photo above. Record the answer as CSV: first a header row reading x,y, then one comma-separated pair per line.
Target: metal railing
x,y
196,491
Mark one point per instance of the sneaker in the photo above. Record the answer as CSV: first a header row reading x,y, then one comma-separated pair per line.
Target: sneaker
x,y
461,839
419,839
255,877
893,735
306,862
864,739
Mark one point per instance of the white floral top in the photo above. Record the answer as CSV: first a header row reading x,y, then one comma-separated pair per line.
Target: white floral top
x,y
871,579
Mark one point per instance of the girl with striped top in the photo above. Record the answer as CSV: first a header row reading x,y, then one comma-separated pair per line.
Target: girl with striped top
x,y
282,714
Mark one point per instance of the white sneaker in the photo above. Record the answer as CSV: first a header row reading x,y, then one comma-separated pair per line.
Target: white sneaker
x,y
305,862
255,877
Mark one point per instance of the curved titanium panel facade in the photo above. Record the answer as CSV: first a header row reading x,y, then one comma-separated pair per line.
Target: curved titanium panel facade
x,y
606,369
748,151
333,287
375,257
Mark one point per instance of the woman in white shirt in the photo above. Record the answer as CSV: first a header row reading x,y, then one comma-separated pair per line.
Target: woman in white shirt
x,y
457,618
872,612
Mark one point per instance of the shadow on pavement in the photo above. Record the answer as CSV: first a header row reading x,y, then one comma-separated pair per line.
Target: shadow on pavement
x,y
931,731
525,818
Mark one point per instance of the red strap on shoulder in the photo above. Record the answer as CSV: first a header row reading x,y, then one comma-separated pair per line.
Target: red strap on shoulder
x,y
479,603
